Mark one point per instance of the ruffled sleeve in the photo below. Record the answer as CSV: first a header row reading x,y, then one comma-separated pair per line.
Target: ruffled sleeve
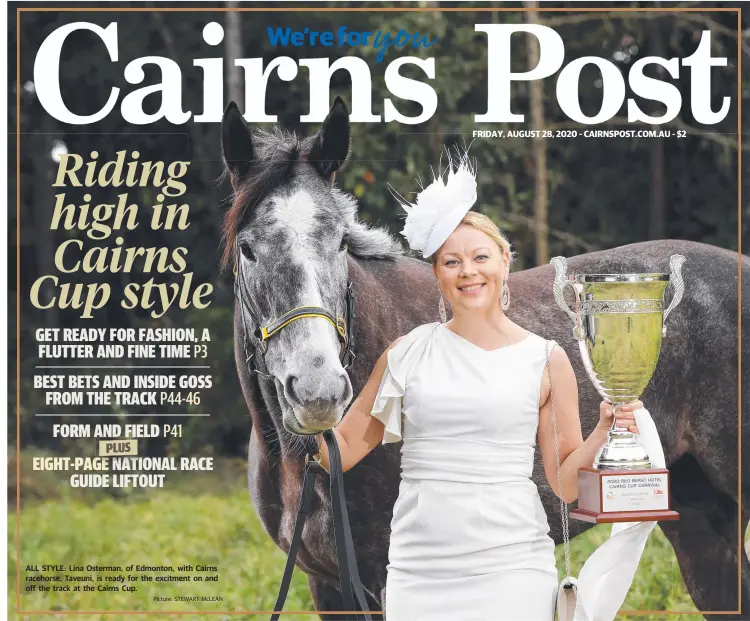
x,y
388,404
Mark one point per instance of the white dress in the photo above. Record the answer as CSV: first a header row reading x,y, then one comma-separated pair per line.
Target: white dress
x,y
469,535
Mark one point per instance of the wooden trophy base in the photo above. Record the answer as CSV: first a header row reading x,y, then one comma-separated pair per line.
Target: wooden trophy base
x,y
606,496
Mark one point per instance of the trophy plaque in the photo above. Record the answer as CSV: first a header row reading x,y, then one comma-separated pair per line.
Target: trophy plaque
x,y
619,321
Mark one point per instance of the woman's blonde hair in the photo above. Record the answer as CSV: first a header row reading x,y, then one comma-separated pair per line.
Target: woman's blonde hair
x,y
482,223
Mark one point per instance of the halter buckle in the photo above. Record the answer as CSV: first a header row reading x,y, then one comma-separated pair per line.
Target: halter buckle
x,y
341,327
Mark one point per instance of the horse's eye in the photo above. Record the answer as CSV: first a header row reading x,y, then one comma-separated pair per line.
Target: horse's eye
x,y
246,252
344,244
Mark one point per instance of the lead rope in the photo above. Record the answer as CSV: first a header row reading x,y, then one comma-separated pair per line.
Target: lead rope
x,y
350,582
563,504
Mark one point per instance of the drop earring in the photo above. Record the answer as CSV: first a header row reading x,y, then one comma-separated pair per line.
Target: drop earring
x,y
441,309
505,297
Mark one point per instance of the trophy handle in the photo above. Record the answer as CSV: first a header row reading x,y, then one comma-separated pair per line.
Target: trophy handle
x,y
675,279
558,287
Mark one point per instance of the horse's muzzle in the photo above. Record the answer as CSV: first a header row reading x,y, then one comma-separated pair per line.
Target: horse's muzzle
x,y
318,398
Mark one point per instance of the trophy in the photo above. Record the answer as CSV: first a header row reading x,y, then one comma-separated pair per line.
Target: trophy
x,y
619,321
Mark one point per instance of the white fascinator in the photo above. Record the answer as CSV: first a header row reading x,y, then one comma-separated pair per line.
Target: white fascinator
x,y
440,207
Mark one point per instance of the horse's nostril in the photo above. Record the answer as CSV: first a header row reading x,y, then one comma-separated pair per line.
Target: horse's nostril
x,y
343,385
289,384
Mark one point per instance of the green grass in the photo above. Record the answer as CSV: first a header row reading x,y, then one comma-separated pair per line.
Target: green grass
x,y
212,522
168,529
657,584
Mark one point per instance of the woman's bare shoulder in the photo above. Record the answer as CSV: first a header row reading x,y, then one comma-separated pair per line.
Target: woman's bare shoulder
x,y
560,364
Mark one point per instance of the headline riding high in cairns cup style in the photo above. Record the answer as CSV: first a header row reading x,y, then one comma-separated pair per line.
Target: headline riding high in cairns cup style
x,y
320,70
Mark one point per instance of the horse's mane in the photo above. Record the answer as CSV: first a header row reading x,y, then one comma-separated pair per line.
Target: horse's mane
x,y
276,153
365,242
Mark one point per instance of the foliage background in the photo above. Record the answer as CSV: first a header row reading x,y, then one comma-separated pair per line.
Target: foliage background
x,y
581,195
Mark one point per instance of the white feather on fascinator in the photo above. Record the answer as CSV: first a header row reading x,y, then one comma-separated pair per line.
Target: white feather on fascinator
x,y
440,207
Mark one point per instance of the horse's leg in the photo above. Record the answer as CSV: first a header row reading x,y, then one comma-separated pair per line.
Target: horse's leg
x,y
705,541
327,597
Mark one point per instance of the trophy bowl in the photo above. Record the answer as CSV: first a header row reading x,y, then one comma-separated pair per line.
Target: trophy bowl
x,y
619,322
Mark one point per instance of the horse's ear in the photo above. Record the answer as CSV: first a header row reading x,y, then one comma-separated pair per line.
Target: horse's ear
x,y
331,145
236,142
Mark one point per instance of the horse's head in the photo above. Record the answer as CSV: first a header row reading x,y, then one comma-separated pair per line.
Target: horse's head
x,y
288,234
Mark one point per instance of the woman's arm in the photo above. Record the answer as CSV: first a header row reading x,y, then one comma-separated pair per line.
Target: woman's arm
x,y
574,452
359,432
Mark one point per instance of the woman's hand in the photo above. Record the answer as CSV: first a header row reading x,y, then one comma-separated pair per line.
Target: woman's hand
x,y
625,417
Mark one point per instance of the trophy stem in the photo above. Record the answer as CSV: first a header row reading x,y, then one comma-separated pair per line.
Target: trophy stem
x,y
614,428
622,451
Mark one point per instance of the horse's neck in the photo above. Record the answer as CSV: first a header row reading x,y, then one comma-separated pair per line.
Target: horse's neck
x,y
392,296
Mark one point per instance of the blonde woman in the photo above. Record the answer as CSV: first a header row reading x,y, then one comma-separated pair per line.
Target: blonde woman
x,y
470,399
